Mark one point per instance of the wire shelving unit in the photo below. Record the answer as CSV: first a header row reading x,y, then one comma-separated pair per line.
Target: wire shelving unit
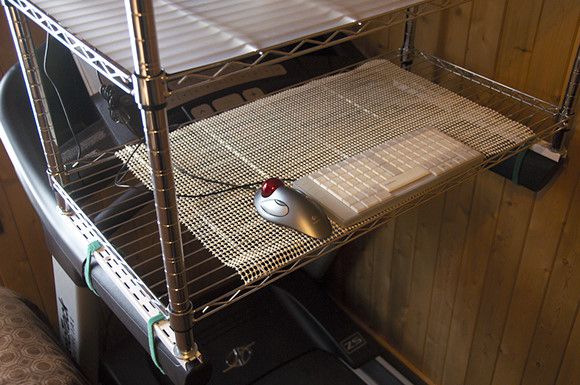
x,y
157,265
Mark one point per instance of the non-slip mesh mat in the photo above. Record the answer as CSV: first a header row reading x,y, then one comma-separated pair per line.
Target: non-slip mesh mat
x,y
296,132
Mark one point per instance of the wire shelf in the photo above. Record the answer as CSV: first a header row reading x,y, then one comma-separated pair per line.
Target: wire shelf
x,y
130,231
103,41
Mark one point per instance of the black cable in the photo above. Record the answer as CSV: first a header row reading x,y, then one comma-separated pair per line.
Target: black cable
x,y
74,136
203,179
231,186
218,192
124,169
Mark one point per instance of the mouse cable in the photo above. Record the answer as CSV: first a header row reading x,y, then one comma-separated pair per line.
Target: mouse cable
x,y
124,169
231,186
247,186
64,110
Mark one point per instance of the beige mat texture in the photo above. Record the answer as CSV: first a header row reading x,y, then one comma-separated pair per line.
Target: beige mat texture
x,y
295,132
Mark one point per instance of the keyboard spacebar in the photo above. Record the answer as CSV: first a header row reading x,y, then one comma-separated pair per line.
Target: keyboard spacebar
x,y
406,178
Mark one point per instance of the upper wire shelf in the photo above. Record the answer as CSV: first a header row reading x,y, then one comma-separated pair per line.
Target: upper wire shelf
x,y
212,285
192,37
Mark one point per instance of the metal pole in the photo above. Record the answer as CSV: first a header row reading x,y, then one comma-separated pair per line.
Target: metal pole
x,y
409,39
567,107
150,93
31,73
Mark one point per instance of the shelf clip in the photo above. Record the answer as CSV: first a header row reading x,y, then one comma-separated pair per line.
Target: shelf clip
x,y
151,91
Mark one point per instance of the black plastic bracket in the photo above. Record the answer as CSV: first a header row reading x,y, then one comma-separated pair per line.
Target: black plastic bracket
x,y
529,169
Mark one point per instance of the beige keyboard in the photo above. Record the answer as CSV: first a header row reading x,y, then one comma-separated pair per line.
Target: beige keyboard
x,y
377,179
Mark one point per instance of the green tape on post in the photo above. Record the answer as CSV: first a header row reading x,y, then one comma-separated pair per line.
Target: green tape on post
x,y
93,246
151,338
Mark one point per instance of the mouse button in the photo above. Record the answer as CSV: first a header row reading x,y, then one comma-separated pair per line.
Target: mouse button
x,y
275,207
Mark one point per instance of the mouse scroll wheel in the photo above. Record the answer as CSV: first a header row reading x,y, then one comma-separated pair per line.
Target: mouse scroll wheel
x,y
270,185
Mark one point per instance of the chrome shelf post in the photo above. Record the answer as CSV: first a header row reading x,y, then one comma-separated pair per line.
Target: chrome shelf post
x,y
409,38
150,91
31,73
567,107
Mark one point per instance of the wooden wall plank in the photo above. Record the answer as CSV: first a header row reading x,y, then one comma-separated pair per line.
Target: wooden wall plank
x,y
7,172
484,35
500,277
454,39
423,273
433,33
559,305
30,272
483,56
429,32
383,239
496,300
32,236
518,37
480,235
361,266
450,251
571,62
401,273
14,264
446,34
7,58
338,272
554,44
539,251
569,372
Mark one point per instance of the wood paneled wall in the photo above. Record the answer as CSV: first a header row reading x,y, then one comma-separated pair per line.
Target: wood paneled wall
x,y
481,286
25,263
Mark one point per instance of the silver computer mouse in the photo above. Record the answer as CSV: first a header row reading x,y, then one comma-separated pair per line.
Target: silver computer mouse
x,y
285,206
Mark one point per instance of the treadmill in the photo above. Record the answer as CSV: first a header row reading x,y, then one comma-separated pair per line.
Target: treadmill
x,y
290,332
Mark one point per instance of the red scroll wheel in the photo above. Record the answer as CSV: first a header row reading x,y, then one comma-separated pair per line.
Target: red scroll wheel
x,y
270,185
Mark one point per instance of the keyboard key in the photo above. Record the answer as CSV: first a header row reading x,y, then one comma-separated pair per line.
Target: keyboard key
x,y
377,179
406,178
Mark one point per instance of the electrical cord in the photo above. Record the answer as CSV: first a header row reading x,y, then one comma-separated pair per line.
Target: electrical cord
x,y
108,93
116,112
124,170
231,186
247,186
64,110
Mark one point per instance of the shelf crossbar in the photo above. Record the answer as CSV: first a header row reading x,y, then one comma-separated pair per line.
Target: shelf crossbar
x,y
121,76
82,49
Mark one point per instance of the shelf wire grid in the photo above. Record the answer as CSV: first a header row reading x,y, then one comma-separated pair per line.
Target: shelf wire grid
x,y
98,60
102,61
322,122
214,285
178,82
